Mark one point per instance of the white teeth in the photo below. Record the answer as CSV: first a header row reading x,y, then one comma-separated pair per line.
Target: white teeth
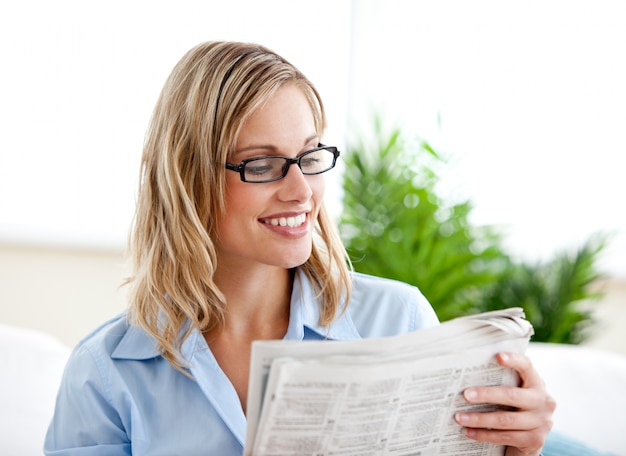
x,y
291,222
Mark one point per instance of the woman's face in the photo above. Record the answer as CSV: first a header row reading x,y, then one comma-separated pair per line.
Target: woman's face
x,y
272,223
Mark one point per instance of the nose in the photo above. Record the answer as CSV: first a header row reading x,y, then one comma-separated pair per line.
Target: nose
x,y
295,185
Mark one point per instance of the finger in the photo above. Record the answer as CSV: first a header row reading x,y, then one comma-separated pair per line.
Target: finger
x,y
528,443
500,420
511,396
523,366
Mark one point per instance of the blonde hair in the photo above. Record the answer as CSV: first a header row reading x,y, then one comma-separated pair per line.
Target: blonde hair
x,y
205,101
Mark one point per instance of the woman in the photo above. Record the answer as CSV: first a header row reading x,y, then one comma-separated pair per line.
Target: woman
x,y
232,244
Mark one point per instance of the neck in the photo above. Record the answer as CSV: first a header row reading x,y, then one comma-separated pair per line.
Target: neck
x,y
257,308
257,300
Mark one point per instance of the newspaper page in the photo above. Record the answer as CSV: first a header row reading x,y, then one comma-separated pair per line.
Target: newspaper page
x,y
388,396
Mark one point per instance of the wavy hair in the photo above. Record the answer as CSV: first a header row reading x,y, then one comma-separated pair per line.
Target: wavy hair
x,y
205,101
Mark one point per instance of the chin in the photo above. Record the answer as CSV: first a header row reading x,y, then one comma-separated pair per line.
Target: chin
x,y
293,261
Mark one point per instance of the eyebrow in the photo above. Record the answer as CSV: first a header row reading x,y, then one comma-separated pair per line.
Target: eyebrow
x,y
271,147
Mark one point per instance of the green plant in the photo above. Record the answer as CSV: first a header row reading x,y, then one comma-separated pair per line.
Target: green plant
x,y
553,293
395,224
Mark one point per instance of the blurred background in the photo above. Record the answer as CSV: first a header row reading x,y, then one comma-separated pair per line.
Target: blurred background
x,y
527,100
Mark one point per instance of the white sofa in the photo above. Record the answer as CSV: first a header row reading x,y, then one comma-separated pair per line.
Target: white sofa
x,y
31,365
589,385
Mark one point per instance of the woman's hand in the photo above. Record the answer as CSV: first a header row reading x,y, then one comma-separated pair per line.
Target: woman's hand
x,y
524,428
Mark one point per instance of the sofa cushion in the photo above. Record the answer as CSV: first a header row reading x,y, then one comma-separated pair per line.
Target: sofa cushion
x,y
31,365
589,386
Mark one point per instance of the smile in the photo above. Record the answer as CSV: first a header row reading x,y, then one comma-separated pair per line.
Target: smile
x,y
291,222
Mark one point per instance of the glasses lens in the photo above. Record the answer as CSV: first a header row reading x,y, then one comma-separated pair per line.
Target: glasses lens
x,y
264,169
317,161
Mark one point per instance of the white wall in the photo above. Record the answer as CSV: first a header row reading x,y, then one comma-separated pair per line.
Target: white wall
x,y
63,292
527,99
79,82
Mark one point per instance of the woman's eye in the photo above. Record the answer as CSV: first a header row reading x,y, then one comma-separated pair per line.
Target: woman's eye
x,y
309,162
258,170
263,166
313,161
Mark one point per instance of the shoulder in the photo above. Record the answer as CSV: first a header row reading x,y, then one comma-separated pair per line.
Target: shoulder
x,y
106,337
384,307
89,388
114,339
92,353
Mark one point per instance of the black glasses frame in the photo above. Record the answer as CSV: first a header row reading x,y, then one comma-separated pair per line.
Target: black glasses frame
x,y
241,167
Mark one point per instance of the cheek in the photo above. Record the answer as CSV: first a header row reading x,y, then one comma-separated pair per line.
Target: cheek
x,y
318,186
238,194
318,189
238,199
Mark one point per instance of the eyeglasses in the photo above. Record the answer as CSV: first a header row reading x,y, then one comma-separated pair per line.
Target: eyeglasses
x,y
273,167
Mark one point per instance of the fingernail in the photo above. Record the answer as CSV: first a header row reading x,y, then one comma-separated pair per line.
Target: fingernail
x,y
504,356
462,417
470,432
470,394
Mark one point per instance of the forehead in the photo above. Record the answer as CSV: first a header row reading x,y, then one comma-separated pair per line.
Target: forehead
x,y
285,118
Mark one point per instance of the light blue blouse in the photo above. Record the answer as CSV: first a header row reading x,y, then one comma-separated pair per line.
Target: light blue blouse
x,y
118,396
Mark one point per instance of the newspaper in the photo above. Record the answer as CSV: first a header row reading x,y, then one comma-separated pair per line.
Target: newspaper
x,y
384,396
